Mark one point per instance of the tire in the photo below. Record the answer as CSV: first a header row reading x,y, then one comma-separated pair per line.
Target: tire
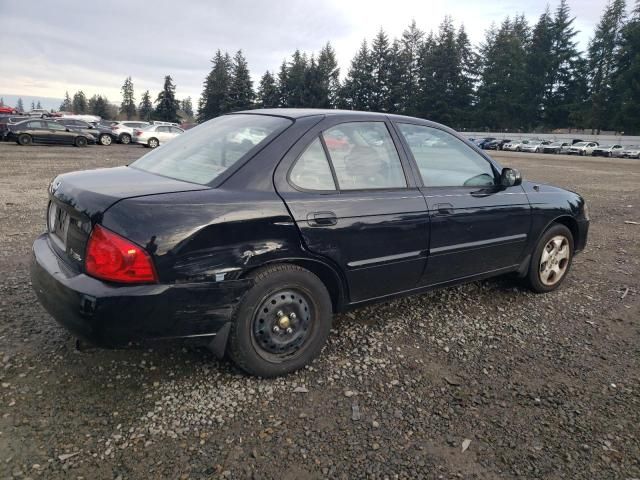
x,y
282,323
537,150
582,153
546,275
518,149
25,139
105,140
153,142
80,142
125,139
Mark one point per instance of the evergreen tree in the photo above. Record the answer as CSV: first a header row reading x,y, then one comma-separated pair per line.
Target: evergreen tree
x,y
603,51
540,67
128,105
241,87
568,86
33,105
380,73
19,105
38,105
187,108
215,98
1,102
398,75
328,78
295,80
312,85
268,95
502,94
283,85
406,69
466,76
66,105
145,109
166,103
357,89
99,106
627,78
79,103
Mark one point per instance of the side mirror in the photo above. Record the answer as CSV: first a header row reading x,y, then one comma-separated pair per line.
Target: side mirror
x,y
510,177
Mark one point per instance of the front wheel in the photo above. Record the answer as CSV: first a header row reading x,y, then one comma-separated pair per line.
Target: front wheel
x,y
80,142
153,143
282,323
551,259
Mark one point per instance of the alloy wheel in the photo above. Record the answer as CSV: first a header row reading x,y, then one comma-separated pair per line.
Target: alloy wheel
x,y
554,260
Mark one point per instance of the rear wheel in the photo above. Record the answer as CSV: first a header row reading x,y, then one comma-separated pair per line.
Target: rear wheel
x,y
25,139
80,142
153,143
282,323
125,138
105,140
551,259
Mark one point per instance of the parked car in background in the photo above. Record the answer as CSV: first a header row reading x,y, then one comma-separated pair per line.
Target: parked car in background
x,y
606,150
5,121
556,147
153,136
124,130
39,112
535,146
495,144
48,132
629,151
104,135
515,145
582,148
84,117
9,110
253,242
480,142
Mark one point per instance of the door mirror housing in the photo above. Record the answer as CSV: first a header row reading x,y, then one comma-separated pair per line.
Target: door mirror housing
x,y
510,177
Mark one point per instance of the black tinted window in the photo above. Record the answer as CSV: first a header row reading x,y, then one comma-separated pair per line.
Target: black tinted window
x,y
445,161
36,124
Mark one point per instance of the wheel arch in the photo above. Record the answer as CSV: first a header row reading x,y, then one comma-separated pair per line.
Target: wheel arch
x,y
332,280
566,220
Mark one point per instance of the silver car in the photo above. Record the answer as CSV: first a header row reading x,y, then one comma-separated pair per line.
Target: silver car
x,y
534,146
155,135
606,150
515,145
629,151
124,130
582,148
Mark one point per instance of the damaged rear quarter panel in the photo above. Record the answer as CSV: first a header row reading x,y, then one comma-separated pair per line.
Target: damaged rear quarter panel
x,y
209,235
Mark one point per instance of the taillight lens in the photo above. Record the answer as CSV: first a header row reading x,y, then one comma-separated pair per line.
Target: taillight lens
x,y
114,258
137,133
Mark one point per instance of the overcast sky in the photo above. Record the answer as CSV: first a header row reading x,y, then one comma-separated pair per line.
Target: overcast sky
x,y
49,47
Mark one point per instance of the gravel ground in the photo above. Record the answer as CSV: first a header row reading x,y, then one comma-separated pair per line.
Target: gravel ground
x,y
480,381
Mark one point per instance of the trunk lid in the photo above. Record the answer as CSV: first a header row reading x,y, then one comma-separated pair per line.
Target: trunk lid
x,y
78,201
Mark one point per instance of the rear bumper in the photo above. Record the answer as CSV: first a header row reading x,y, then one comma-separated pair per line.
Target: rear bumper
x,y
110,315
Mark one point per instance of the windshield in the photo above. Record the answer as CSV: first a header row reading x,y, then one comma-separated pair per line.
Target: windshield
x,y
580,144
208,150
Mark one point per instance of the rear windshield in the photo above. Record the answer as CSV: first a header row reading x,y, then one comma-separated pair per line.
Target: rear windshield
x,y
205,152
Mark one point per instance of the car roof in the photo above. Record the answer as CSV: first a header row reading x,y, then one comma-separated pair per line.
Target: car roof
x,y
293,113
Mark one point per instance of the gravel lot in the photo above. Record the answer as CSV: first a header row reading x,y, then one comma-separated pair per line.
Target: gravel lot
x,y
481,381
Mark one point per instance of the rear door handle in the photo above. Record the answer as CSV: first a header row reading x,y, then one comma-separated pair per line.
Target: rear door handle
x,y
444,208
322,219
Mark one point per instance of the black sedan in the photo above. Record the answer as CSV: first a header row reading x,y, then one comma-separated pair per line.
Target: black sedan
x,y
495,144
47,132
103,134
252,229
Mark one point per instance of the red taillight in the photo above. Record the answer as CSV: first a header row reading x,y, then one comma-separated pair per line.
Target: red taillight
x,y
137,132
111,257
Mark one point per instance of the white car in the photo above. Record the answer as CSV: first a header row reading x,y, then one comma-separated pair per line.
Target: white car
x,y
606,150
155,135
582,148
39,112
535,146
629,151
515,145
124,130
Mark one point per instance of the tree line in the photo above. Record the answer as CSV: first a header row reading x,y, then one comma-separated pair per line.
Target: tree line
x,y
521,77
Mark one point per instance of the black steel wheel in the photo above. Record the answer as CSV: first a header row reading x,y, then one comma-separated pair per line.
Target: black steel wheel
x,y
281,323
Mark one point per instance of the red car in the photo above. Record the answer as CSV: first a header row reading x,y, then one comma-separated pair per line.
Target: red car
x,y
8,110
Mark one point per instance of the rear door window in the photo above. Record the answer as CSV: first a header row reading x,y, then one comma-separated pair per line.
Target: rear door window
x,y
312,171
364,156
